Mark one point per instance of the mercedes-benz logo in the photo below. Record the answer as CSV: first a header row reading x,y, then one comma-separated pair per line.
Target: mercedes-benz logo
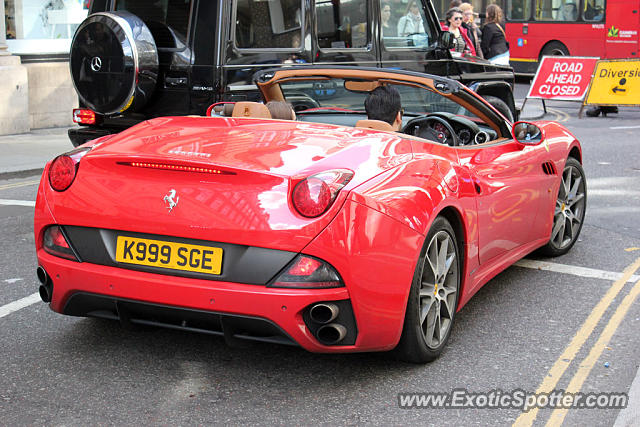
x,y
96,63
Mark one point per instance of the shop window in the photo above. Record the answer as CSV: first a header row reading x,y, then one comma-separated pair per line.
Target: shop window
x,y
42,26
264,24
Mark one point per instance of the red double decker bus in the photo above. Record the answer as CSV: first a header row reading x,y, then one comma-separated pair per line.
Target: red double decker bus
x,y
602,28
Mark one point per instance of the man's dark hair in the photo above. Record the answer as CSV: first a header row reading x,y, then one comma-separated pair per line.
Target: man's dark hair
x,y
383,103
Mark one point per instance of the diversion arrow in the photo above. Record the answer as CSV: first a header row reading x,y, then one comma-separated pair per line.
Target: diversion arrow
x,y
617,89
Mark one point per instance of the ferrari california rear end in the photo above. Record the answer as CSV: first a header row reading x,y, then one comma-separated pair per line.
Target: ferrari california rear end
x,y
238,227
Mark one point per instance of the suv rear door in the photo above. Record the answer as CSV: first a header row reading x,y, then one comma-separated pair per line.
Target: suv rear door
x,y
344,33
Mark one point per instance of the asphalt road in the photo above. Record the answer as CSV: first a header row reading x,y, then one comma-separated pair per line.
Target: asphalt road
x,y
531,327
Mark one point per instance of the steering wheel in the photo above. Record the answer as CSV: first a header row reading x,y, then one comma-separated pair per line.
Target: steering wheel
x,y
427,128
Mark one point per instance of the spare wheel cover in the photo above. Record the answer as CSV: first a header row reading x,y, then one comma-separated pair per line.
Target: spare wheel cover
x,y
114,62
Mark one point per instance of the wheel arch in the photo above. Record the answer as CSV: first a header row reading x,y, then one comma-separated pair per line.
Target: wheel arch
x,y
549,42
576,154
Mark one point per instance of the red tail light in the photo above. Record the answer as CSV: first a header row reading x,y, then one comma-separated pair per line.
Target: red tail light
x,y
55,243
314,195
63,169
84,116
306,272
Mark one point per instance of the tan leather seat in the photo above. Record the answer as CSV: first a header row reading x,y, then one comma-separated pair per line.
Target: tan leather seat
x,y
374,124
251,109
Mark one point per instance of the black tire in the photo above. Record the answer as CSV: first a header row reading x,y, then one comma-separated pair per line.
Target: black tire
x,y
569,212
114,62
413,346
501,106
554,49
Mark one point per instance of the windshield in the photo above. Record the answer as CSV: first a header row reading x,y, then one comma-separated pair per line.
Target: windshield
x,y
331,94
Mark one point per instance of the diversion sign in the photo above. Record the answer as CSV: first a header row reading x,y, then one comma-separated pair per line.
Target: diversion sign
x,y
562,77
615,82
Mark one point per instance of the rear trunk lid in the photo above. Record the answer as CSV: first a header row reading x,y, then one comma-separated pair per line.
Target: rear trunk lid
x,y
226,180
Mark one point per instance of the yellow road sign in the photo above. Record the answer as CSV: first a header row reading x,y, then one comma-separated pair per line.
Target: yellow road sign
x,y
615,82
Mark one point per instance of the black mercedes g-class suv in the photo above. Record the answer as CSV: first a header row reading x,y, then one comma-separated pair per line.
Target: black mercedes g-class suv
x,y
132,60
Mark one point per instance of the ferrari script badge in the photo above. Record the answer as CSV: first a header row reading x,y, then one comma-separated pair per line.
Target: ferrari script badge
x,y
170,200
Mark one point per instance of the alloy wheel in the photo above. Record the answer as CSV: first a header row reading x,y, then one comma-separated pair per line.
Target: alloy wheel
x,y
569,211
438,288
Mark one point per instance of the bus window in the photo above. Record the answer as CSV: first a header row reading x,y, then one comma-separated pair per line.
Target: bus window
x,y
518,10
593,10
556,10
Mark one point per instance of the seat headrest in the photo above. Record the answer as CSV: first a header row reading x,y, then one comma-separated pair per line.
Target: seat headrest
x,y
251,109
374,124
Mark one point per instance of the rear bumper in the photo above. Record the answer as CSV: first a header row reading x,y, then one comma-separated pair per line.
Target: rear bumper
x,y
220,308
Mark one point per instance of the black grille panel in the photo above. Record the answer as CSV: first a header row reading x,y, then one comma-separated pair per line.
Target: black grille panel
x,y
240,264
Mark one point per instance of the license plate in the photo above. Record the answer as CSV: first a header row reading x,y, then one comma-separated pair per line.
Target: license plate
x,y
176,256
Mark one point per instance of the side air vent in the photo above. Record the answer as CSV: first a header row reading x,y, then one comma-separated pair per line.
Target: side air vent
x,y
549,168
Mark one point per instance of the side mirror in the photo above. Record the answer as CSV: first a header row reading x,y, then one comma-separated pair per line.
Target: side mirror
x,y
527,133
445,40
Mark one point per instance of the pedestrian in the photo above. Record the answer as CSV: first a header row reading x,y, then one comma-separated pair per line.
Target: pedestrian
x,y
460,38
455,3
494,41
385,17
411,22
473,32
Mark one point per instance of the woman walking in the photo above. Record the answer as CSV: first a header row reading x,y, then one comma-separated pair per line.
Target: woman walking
x,y
494,42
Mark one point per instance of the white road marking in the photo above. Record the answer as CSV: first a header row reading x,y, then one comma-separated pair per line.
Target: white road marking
x,y
526,263
613,192
9,202
19,304
625,127
10,281
573,270
613,210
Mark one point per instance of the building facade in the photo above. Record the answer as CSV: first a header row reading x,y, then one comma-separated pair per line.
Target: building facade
x,y
35,84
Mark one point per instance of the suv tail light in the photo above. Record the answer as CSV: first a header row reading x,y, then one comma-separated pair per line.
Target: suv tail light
x,y
314,195
84,116
307,272
63,169
55,243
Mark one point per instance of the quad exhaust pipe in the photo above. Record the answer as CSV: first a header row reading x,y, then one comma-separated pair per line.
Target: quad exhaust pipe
x,y
331,334
324,313
46,284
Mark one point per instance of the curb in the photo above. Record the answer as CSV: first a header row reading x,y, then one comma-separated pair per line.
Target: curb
x,y
21,173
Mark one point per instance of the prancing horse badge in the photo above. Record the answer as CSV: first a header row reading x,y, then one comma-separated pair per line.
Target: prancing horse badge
x,y
170,200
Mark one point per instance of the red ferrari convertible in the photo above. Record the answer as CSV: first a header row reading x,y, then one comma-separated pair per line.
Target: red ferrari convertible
x,y
330,231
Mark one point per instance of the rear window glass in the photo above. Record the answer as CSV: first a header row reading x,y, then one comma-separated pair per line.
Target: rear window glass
x,y
264,24
342,24
160,14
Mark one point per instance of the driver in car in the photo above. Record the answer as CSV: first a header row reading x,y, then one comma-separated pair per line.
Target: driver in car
x,y
383,103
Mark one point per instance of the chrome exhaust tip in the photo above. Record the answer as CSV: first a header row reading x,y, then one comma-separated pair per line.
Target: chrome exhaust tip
x,y
46,285
331,334
43,277
324,313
